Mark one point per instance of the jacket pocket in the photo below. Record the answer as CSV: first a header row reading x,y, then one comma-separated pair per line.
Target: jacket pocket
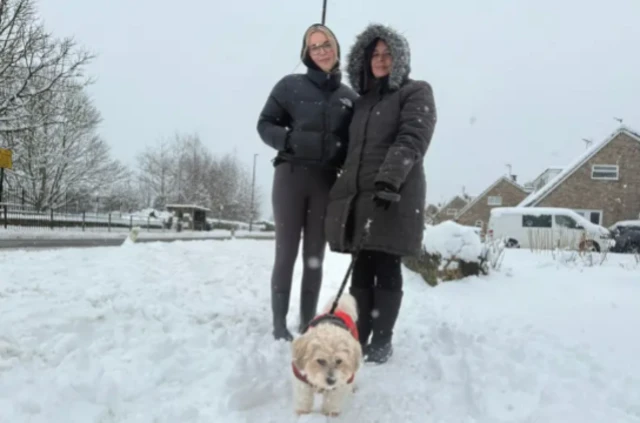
x,y
335,150
306,145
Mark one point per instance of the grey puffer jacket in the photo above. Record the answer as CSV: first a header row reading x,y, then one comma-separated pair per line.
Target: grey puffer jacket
x,y
390,133
306,117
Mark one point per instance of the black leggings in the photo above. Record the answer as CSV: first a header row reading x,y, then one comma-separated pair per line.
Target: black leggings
x,y
377,269
300,195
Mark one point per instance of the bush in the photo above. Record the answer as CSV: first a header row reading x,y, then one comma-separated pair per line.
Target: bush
x,y
426,265
453,252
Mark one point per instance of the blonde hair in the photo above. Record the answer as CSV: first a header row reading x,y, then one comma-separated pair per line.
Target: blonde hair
x,y
326,32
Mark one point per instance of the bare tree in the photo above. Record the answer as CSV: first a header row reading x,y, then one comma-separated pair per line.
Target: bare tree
x,y
177,171
231,185
156,173
193,164
183,170
123,196
32,63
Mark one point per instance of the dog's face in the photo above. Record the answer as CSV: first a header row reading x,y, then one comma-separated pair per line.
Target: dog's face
x,y
328,356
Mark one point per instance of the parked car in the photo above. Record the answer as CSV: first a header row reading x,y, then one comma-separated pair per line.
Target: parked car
x,y
627,236
547,228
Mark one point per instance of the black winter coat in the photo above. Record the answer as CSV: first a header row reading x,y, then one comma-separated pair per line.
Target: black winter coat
x,y
306,119
390,133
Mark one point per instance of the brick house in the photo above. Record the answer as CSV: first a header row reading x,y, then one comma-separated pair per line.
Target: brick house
x,y
504,192
450,210
602,184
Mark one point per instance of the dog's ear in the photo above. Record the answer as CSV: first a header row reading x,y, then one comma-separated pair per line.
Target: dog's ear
x,y
299,351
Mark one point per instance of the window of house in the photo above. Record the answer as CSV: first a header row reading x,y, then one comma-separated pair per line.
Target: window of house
x,y
534,221
565,221
479,223
605,172
452,212
494,200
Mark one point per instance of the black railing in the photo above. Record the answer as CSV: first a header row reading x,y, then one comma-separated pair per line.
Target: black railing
x,y
16,212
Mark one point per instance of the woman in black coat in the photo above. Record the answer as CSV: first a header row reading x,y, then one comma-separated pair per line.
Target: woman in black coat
x,y
383,180
306,120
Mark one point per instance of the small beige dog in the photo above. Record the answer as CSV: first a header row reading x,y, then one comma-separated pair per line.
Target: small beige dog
x,y
326,358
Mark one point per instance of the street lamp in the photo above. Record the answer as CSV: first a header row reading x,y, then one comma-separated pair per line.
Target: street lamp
x,y
253,189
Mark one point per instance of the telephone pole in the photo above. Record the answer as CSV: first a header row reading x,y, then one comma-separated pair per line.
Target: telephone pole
x,y
324,11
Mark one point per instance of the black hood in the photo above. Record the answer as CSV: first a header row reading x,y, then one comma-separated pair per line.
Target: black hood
x,y
359,57
304,55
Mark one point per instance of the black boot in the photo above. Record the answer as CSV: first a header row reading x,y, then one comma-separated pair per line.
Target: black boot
x,y
386,305
280,307
308,306
364,298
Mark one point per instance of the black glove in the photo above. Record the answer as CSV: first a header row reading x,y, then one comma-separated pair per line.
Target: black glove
x,y
385,195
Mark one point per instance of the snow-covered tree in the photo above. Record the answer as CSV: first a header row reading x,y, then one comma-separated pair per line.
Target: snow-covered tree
x,y
58,152
32,64
123,196
192,172
155,167
183,170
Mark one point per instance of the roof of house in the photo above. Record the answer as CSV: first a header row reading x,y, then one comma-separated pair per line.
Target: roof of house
x,y
537,196
445,206
486,191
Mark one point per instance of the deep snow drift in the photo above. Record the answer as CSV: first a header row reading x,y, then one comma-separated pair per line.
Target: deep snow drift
x,y
181,333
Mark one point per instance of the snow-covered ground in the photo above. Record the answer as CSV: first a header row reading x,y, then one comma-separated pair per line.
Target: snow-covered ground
x,y
180,333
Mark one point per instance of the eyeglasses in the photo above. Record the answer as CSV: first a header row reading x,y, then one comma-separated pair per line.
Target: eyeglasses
x,y
324,47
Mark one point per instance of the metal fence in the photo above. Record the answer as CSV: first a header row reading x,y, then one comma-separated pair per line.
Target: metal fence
x,y
17,213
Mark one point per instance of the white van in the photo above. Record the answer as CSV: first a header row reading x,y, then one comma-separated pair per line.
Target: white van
x,y
546,228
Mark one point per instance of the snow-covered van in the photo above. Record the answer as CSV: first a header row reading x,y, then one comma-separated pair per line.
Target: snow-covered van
x,y
546,228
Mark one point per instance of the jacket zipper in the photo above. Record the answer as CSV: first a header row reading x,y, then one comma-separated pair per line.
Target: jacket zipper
x,y
364,142
325,124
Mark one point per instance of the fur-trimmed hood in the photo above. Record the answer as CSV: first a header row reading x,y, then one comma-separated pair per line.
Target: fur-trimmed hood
x,y
398,47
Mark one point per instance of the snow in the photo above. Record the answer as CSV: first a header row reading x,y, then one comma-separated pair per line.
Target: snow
x,y
624,223
180,332
450,239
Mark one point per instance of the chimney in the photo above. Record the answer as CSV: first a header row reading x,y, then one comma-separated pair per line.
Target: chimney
x,y
515,178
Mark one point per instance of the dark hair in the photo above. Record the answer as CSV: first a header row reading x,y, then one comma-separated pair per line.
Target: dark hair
x,y
368,80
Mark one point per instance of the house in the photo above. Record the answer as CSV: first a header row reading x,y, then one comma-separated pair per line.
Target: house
x,y
504,192
429,213
542,179
602,184
450,210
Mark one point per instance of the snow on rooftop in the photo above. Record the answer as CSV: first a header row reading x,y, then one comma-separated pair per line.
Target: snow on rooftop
x,y
570,168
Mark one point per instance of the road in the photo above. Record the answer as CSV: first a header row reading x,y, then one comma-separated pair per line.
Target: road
x,y
100,242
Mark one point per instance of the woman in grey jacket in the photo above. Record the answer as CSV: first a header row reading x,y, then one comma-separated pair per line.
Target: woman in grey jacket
x,y
306,120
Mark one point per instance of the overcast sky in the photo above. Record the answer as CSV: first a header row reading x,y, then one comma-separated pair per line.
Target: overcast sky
x,y
517,82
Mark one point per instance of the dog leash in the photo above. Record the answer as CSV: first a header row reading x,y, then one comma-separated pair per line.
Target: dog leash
x,y
354,257
389,196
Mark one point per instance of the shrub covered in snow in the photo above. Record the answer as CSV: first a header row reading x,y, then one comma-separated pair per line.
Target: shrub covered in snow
x,y
452,251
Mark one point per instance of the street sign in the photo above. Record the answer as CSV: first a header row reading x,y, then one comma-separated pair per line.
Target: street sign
x,y
5,158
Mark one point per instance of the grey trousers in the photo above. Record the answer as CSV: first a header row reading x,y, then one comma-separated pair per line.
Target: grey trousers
x,y
300,196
